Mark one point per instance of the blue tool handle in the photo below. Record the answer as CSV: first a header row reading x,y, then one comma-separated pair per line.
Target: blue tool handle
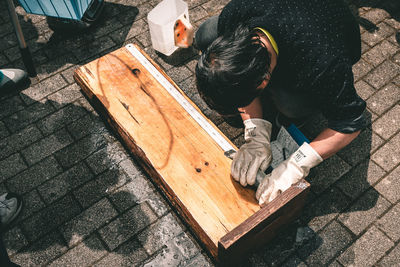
x,y
297,135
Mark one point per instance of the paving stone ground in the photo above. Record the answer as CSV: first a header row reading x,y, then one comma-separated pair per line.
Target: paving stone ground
x,y
88,203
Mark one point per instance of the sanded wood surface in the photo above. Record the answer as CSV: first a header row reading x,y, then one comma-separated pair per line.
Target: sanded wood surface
x,y
177,153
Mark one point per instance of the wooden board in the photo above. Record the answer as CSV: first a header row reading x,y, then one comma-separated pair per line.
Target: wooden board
x,y
177,153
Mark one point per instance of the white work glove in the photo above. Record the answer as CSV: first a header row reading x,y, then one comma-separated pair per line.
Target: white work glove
x,y
255,154
289,172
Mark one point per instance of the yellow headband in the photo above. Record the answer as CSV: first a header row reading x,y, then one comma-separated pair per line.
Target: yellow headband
x,y
271,39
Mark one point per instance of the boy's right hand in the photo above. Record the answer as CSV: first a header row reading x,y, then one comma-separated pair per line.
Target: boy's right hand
x,y
255,154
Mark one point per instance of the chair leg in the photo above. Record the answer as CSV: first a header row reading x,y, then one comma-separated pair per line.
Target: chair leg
x,y
25,53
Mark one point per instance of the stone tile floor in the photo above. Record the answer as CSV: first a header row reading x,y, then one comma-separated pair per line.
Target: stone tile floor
x,y
88,203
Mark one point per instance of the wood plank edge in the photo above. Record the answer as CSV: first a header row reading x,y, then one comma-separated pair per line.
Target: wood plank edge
x,y
268,215
140,156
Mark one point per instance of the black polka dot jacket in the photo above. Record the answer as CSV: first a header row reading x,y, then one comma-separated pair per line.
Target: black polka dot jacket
x,y
318,41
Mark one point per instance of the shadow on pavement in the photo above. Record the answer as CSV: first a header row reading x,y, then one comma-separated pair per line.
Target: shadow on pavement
x,y
97,184
391,7
180,56
88,190
52,50
340,186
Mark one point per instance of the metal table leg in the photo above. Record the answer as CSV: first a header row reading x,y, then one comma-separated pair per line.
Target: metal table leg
x,y
25,53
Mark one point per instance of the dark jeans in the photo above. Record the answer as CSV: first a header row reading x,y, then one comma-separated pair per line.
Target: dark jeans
x,y
206,34
291,105
4,259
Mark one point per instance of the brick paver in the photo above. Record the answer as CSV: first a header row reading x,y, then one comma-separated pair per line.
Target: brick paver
x,y
88,221
360,178
331,241
384,98
85,253
367,250
392,259
88,203
389,187
11,166
389,223
387,156
364,211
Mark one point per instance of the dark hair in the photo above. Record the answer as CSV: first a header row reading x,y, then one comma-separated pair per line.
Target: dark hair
x,y
230,70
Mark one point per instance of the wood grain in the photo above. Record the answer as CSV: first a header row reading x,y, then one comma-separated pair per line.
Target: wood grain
x,y
182,159
177,153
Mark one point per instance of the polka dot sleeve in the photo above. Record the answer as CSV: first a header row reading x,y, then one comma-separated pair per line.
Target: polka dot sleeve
x,y
336,97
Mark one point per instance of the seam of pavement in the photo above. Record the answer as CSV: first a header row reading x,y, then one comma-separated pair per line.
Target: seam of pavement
x,y
88,203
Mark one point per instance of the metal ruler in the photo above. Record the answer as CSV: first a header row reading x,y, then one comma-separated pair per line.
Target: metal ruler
x,y
171,89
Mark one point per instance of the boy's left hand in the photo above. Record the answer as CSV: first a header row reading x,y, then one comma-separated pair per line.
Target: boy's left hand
x,y
289,172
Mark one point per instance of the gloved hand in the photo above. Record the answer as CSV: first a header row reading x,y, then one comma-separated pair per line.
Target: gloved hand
x,y
289,172
255,154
